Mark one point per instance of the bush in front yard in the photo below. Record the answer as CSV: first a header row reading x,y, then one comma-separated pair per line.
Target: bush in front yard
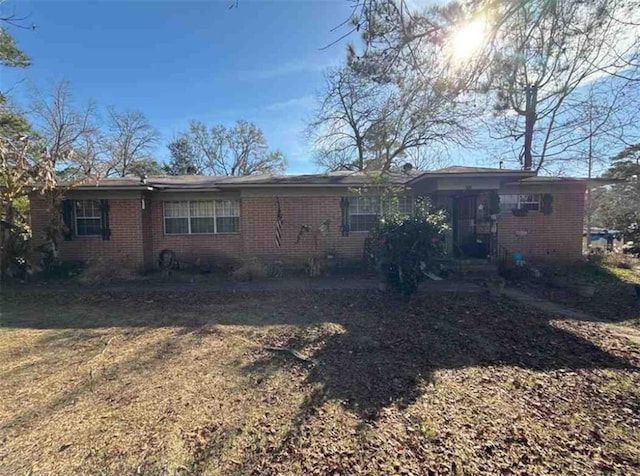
x,y
251,270
405,248
101,271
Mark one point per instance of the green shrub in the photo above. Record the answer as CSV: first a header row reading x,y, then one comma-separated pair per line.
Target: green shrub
x,y
405,248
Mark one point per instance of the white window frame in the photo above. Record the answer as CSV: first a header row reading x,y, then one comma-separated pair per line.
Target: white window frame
x,y
523,199
188,217
94,217
381,208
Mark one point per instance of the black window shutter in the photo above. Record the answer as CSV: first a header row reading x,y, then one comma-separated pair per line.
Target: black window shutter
x,y
67,220
104,219
344,206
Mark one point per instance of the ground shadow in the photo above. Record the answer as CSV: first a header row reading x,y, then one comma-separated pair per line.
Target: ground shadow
x,y
614,298
386,352
391,348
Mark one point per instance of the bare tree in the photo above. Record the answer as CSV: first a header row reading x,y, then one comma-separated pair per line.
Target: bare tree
x,y
533,58
238,150
367,123
70,132
545,53
604,120
130,139
344,120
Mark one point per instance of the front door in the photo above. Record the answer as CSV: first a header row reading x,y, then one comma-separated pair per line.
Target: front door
x,y
464,224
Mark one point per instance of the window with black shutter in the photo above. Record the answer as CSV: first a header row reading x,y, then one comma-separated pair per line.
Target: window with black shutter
x,y
67,220
86,218
105,231
344,207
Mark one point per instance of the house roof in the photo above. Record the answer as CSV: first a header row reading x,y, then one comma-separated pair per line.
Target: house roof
x,y
332,179
470,172
206,182
544,179
460,169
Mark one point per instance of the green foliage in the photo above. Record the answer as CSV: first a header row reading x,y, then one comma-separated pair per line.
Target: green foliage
x,y
405,247
183,157
632,240
10,54
145,167
618,205
221,150
630,153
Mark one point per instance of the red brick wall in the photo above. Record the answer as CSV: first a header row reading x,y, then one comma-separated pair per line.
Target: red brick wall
x,y
257,232
259,223
210,248
125,244
138,235
557,236
147,234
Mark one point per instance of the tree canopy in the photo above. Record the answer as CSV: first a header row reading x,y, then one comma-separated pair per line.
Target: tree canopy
x,y
220,150
524,70
618,205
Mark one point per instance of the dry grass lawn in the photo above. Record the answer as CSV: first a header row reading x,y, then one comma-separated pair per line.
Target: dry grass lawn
x,y
153,383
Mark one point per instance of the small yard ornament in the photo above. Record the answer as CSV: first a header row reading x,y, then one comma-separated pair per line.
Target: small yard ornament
x,y
167,261
314,267
518,258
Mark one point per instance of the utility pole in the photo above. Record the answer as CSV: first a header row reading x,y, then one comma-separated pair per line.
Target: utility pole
x,y
589,174
531,101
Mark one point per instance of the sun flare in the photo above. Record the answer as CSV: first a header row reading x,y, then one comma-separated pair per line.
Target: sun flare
x,y
468,39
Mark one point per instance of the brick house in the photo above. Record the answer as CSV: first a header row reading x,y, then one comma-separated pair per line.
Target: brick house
x,y
220,219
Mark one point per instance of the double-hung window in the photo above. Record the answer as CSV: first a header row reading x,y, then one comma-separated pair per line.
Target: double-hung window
x,y
519,202
201,217
87,216
364,211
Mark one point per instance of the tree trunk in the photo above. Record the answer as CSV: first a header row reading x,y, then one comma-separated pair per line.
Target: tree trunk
x,y
531,92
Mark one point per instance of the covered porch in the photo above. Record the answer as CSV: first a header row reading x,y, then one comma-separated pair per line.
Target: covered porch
x,y
470,197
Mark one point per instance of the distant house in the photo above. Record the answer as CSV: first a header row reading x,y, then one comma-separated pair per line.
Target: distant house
x,y
232,218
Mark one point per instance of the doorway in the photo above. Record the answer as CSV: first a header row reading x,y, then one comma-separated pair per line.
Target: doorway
x,y
465,237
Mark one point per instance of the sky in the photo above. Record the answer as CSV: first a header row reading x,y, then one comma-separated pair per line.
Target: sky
x,y
179,61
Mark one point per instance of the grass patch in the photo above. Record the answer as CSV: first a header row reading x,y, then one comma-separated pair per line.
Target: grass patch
x,y
160,383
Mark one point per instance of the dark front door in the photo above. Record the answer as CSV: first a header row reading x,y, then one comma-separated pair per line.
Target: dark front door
x,y
465,237
464,223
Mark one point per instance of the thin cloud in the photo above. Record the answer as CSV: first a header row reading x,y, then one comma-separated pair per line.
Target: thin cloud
x,y
286,69
302,102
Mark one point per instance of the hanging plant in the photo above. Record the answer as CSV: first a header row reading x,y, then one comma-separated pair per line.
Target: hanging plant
x,y
547,204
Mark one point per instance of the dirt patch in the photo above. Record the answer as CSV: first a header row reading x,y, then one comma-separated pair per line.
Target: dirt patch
x,y
180,383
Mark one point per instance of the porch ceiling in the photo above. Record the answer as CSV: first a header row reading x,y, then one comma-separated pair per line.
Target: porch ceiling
x,y
435,184
466,178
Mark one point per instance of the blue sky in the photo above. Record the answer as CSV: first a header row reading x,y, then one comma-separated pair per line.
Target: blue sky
x,y
178,61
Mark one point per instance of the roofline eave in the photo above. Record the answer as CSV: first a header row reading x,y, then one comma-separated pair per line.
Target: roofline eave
x,y
431,175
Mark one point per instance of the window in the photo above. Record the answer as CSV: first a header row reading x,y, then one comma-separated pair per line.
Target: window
x,y
88,219
201,217
519,202
364,211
